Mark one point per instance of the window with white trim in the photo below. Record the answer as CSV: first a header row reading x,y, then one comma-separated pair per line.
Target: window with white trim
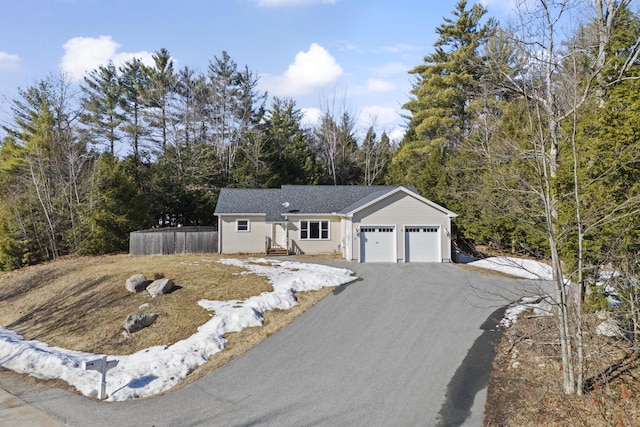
x,y
314,230
243,225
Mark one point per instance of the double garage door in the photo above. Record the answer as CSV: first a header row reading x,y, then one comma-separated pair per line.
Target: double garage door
x,y
421,244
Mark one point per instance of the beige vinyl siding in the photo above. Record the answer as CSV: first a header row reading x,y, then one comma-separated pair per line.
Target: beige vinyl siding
x,y
401,209
234,242
332,245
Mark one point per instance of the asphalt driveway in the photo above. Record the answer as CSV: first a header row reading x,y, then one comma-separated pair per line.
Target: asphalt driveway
x,y
406,345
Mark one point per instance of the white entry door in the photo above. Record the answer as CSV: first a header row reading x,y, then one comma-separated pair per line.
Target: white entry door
x,y
280,235
422,244
377,244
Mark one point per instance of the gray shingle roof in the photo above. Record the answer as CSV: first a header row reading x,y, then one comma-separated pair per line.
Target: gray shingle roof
x,y
250,201
304,199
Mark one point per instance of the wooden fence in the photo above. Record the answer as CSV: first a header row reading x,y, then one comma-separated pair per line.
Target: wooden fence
x,y
178,240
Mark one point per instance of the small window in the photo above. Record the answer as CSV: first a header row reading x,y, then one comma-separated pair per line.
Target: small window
x,y
242,225
314,230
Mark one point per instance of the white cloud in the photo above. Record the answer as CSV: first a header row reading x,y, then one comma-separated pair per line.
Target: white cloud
x,y
379,85
397,134
311,116
284,3
9,61
82,54
310,70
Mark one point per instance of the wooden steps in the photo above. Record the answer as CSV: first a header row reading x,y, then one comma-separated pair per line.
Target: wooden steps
x,y
277,251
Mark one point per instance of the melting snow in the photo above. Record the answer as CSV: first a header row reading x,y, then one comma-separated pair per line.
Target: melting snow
x,y
156,369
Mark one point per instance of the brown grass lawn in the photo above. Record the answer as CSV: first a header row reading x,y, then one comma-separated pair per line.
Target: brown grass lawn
x,y
80,303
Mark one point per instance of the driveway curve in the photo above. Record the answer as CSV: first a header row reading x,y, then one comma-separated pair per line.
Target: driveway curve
x,y
388,349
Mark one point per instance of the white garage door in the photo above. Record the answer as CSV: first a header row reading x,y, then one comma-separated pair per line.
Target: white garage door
x,y
422,244
377,244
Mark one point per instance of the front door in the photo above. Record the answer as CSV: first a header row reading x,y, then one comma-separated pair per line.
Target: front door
x,y
280,235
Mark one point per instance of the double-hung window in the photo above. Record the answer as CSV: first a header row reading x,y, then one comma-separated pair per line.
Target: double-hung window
x,y
243,225
314,230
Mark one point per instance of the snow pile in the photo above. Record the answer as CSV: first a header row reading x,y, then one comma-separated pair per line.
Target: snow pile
x,y
156,369
518,267
526,269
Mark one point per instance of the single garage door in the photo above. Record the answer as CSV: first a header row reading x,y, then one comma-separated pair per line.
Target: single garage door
x,y
377,244
422,244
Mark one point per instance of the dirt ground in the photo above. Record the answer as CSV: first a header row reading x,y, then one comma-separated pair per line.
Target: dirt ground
x,y
525,386
80,303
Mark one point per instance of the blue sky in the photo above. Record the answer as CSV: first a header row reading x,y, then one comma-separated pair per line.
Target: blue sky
x,y
321,53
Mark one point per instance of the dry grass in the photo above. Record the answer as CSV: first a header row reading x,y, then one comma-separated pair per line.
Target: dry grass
x,y
486,271
80,303
525,385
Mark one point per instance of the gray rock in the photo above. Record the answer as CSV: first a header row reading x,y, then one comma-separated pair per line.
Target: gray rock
x,y
137,283
137,321
610,328
160,287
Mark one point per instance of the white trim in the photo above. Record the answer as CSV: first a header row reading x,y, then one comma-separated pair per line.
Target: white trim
x,y
395,239
219,234
348,238
409,193
300,221
312,215
405,241
248,230
242,214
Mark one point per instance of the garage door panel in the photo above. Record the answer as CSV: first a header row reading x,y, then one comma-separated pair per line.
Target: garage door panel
x,y
377,244
422,244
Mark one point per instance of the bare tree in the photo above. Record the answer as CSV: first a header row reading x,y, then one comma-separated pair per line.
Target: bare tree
x,y
549,75
336,141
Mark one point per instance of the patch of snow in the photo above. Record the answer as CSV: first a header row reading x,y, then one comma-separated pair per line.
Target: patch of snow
x,y
540,305
526,269
156,369
518,267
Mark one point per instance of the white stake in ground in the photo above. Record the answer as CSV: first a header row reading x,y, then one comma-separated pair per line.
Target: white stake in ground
x,y
101,365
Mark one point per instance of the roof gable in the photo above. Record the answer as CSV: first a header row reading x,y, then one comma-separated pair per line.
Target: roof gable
x,y
376,197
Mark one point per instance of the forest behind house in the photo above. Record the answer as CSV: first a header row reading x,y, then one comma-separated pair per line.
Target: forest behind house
x,y
529,130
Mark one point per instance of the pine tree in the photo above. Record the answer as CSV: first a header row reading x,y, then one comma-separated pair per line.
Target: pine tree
x,y
115,208
289,156
157,94
440,116
103,106
134,85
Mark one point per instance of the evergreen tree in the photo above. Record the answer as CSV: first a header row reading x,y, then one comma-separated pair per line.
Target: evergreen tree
x,y
134,84
103,105
159,89
290,158
115,208
14,239
44,126
445,88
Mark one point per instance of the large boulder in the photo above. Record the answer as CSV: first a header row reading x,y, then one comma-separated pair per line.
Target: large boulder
x,y
138,321
160,287
137,283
